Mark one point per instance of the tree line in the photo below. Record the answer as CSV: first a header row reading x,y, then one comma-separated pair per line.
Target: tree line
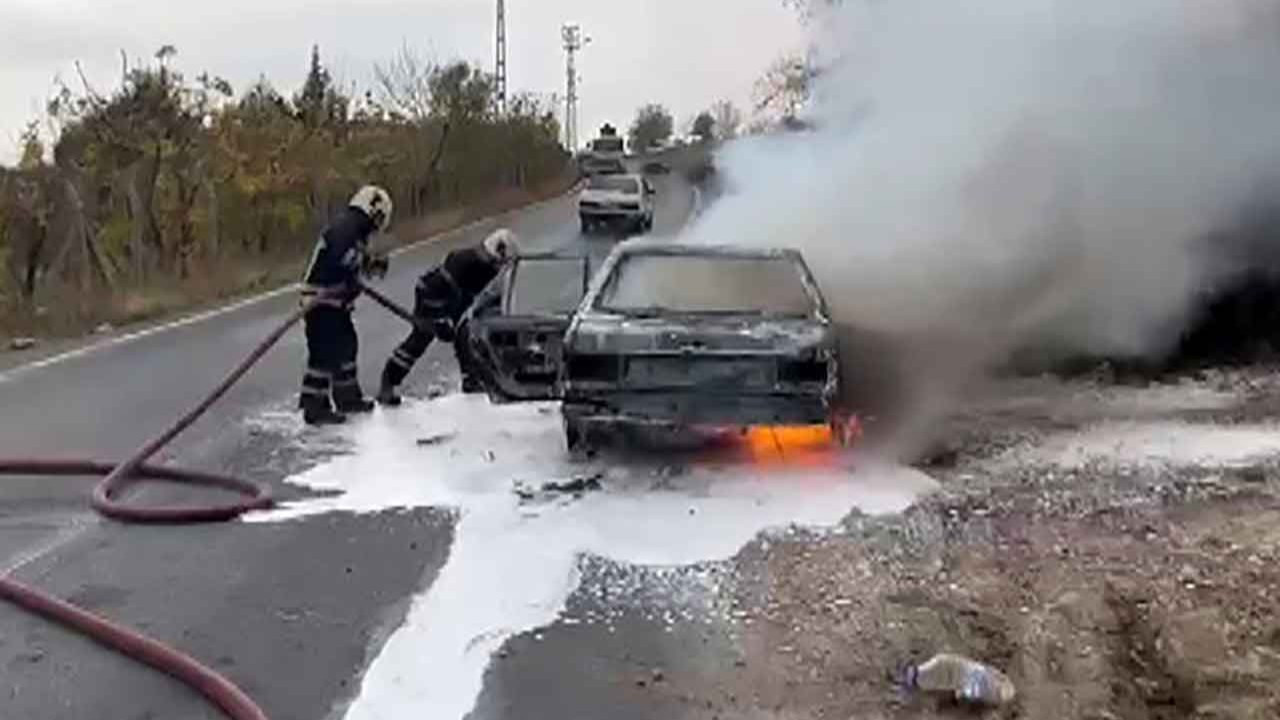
x,y
171,178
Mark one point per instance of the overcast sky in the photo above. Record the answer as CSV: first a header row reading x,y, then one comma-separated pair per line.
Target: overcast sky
x,y
682,53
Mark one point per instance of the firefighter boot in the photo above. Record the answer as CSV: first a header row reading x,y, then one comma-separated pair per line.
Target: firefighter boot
x,y
317,410
388,395
471,384
350,399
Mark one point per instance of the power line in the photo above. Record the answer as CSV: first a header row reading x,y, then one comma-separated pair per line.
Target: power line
x,y
500,64
573,42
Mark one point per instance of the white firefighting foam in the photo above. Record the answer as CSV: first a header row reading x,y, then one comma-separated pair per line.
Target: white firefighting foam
x,y
513,564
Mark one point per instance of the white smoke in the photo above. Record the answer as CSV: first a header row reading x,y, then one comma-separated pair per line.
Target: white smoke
x,y
987,176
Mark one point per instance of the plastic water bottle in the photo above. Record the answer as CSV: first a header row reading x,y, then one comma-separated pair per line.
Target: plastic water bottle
x,y
967,680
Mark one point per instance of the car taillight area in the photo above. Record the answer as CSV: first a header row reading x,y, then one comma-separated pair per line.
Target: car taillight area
x,y
594,368
684,371
706,372
803,372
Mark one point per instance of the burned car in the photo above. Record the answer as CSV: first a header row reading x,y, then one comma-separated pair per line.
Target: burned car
x,y
685,336
511,338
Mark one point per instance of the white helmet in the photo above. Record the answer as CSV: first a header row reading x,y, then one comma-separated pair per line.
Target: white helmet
x,y
374,202
502,245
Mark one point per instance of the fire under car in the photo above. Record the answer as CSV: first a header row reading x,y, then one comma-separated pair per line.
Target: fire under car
x,y
663,335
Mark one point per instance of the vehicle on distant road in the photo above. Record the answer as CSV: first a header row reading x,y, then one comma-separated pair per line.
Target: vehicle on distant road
x,y
686,336
616,200
608,147
591,166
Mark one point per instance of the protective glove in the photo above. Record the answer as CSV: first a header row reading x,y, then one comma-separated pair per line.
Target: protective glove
x,y
444,330
376,266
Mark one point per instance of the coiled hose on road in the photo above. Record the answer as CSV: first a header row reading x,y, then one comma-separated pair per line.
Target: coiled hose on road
x,y
217,689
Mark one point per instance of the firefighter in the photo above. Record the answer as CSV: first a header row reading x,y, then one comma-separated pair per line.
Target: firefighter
x,y
330,388
441,297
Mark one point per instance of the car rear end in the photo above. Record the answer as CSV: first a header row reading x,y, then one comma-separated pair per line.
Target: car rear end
x,y
609,200
793,382
702,336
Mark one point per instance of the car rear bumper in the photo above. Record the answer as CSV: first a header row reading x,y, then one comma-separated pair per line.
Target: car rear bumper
x,y
609,213
691,409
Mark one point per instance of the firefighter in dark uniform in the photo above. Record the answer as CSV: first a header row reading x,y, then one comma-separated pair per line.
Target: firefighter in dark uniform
x,y
330,388
441,298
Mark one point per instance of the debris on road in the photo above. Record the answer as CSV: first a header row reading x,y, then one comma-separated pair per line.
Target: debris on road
x,y
575,487
22,343
439,439
104,328
578,485
653,678
968,681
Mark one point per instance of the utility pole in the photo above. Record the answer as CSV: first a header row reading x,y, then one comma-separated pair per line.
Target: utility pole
x,y
500,65
573,42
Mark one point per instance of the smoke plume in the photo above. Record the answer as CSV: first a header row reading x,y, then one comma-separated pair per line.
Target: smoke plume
x,y
992,176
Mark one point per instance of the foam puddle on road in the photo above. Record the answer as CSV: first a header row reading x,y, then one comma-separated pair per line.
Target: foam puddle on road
x,y
513,564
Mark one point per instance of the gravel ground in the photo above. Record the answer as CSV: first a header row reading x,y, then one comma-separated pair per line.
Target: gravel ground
x,y
1112,548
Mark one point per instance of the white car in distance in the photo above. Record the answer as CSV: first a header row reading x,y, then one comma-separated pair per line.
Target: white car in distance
x,y
611,200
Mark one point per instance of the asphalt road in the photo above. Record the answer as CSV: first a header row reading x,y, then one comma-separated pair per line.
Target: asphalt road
x,y
292,612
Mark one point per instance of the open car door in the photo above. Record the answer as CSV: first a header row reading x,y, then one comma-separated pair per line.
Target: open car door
x,y
514,334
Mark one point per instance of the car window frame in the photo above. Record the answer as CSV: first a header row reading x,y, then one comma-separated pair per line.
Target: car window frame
x,y
608,273
510,280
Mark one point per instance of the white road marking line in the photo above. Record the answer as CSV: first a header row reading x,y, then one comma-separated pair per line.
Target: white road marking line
x,y
64,533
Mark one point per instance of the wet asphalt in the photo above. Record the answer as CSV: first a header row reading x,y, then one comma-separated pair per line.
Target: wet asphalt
x,y
292,612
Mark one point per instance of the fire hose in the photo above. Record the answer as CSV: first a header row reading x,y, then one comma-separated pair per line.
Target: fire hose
x,y
106,500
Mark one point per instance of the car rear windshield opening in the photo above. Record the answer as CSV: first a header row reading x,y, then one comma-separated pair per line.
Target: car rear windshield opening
x,y
615,184
542,287
647,284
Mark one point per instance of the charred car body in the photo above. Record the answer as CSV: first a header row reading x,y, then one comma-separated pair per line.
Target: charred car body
x,y
688,336
671,336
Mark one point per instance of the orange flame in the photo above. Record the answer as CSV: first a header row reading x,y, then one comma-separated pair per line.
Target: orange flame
x,y
789,443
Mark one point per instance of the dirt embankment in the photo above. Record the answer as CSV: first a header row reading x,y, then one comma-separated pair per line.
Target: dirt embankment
x,y
1115,550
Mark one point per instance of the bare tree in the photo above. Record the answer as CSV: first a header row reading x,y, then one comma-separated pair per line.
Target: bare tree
x,y
807,8
404,84
785,87
704,126
728,119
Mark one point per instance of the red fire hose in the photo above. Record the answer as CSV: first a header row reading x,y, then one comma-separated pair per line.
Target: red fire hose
x,y
106,500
